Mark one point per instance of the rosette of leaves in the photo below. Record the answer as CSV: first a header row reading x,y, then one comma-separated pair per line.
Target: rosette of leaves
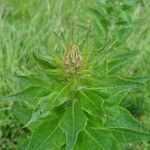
x,y
72,102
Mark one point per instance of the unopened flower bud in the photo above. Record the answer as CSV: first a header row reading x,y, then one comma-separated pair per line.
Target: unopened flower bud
x,y
73,59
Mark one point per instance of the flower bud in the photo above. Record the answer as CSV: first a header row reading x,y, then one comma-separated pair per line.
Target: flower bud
x,y
73,59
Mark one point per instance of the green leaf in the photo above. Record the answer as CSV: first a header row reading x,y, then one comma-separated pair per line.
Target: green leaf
x,y
26,115
116,98
31,80
21,111
122,83
22,145
120,61
96,139
94,121
91,103
29,93
56,98
120,117
73,122
113,85
34,117
123,126
44,63
47,103
47,136
123,135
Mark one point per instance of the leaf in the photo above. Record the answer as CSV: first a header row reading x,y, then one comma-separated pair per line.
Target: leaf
x,y
29,93
21,111
94,121
48,136
44,109
47,103
31,80
96,139
120,117
33,118
44,63
121,60
91,103
22,145
73,122
123,126
56,98
123,135
113,85
131,83
119,83
116,98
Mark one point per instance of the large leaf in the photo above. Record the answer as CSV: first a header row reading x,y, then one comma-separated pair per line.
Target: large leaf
x,y
120,117
91,103
22,145
34,117
47,103
119,122
118,83
113,85
56,98
44,63
48,136
73,122
96,139
31,80
124,135
123,126
115,99
29,93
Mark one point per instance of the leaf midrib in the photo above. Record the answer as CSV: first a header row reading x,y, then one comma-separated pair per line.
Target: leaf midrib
x,y
91,101
93,139
119,130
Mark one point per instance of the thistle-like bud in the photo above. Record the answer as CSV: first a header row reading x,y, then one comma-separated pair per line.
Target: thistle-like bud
x,y
73,59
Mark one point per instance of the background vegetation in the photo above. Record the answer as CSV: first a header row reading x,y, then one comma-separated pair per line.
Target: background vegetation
x,y
44,26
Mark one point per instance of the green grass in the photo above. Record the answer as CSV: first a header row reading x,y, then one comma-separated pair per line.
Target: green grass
x,y
47,26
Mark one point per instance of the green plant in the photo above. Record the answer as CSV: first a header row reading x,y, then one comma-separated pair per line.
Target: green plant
x,y
72,102
111,29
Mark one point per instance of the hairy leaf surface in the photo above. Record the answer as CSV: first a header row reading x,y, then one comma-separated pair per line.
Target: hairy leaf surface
x,y
73,122
96,139
29,93
44,63
48,136
123,126
91,103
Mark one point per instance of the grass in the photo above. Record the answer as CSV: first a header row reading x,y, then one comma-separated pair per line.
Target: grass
x,y
45,26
